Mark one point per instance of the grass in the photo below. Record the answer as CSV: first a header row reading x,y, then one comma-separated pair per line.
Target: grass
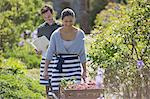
x,y
34,73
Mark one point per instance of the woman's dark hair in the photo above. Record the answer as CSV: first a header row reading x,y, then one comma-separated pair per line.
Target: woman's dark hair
x,y
46,8
67,12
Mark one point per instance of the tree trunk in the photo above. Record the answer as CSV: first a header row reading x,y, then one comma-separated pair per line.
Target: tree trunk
x,y
84,20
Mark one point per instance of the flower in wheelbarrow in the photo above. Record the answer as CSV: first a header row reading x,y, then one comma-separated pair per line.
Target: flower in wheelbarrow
x,y
83,86
140,64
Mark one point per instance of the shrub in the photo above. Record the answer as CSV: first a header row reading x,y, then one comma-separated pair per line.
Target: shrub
x,y
95,7
20,87
121,46
15,84
26,54
12,66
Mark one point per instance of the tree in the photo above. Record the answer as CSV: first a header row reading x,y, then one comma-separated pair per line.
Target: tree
x,y
16,17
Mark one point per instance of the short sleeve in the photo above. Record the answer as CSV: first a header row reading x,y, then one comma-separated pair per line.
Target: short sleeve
x,y
51,48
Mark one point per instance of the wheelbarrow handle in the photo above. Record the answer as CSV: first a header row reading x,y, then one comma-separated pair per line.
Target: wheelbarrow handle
x,y
52,92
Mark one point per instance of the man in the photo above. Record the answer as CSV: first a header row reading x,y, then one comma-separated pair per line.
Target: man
x,y
45,29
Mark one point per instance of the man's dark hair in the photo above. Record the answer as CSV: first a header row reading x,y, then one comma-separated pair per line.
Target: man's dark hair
x,y
46,8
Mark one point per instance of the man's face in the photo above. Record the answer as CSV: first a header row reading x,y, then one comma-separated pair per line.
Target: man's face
x,y
47,16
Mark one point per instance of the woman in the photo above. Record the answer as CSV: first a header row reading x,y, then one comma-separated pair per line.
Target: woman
x,y
66,52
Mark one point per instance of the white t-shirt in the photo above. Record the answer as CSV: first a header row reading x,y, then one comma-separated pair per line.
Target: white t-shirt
x,y
67,44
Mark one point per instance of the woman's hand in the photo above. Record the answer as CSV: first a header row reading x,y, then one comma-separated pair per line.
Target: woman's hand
x,y
84,75
45,74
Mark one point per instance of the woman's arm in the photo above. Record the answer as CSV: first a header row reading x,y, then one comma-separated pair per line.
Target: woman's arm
x,y
49,54
84,75
84,66
45,73
83,56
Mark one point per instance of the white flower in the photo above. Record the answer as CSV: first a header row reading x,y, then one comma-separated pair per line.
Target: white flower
x,y
99,78
27,32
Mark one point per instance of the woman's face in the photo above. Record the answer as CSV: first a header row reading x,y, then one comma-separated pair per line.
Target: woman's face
x,y
68,21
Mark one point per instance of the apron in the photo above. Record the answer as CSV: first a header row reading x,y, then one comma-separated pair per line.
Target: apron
x,y
69,68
